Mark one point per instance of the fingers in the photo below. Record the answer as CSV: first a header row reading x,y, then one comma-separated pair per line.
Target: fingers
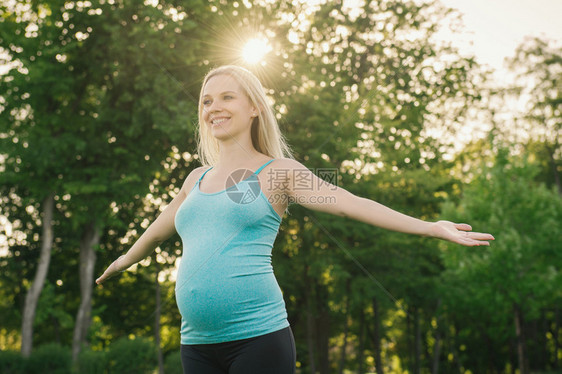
x,y
101,279
471,242
111,271
473,235
470,238
106,275
475,239
480,236
463,227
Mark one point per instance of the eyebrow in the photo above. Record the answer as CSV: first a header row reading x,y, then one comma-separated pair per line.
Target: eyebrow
x,y
222,93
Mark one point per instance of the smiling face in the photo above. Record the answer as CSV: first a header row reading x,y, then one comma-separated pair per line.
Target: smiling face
x,y
226,109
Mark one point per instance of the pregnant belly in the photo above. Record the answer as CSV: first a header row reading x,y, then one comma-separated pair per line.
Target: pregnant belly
x,y
216,302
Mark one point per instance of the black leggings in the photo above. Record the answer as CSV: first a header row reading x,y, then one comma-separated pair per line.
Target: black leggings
x,y
272,353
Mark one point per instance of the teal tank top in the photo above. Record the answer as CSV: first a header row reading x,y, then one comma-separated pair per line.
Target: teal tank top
x,y
225,288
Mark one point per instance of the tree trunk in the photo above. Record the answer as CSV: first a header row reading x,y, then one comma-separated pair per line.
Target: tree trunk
x,y
361,340
542,334
436,352
555,336
454,351
310,328
491,354
90,239
377,337
437,344
555,172
32,296
323,336
343,356
409,339
157,318
345,331
520,335
417,342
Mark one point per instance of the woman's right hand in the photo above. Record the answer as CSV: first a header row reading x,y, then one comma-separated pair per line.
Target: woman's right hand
x,y
112,270
159,231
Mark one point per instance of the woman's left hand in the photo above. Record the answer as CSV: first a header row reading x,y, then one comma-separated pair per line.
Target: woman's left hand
x,y
459,233
112,270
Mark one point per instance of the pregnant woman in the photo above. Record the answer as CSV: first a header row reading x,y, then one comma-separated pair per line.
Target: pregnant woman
x,y
228,214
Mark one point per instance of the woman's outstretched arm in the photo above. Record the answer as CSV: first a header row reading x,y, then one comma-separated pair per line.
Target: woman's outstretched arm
x,y
158,232
308,190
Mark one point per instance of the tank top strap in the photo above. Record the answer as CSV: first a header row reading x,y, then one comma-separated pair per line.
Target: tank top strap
x,y
264,165
202,175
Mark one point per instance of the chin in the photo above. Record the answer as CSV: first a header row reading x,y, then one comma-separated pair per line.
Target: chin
x,y
227,133
221,134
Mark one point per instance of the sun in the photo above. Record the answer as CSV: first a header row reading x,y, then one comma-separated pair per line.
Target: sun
x,y
255,50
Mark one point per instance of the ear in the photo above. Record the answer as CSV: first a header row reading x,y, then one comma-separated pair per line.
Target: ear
x,y
256,110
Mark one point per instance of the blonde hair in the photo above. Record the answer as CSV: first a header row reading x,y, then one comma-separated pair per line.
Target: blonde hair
x,y
266,135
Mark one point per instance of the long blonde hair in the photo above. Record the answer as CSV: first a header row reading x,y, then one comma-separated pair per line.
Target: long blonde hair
x,y
266,135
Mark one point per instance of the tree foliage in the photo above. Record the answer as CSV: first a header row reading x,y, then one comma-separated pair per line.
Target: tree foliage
x,y
520,270
99,109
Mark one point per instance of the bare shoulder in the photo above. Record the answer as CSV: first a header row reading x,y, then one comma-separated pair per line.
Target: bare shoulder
x,y
285,172
288,164
284,169
290,168
192,178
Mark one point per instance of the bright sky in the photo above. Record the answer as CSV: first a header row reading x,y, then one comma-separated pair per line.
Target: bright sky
x,y
496,27
493,31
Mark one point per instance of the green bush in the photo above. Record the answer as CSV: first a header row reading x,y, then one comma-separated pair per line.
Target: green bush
x,y
92,362
172,363
50,358
136,356
11,362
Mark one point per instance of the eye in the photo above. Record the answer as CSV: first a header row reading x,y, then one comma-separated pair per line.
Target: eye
x,y
228,97
206,102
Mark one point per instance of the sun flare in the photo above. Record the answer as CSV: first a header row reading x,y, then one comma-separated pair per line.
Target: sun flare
x,y
255,50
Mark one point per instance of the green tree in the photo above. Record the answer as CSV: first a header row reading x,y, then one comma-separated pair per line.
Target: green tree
x,y
538,66
93,79
360,92
509,283
365,100
33,164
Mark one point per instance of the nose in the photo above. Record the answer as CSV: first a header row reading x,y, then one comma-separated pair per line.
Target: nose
x,y
214,107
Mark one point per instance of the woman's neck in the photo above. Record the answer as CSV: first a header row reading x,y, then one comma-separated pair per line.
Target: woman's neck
x,y
234,155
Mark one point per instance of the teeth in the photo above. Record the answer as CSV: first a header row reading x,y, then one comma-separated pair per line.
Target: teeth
x,y
218,121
